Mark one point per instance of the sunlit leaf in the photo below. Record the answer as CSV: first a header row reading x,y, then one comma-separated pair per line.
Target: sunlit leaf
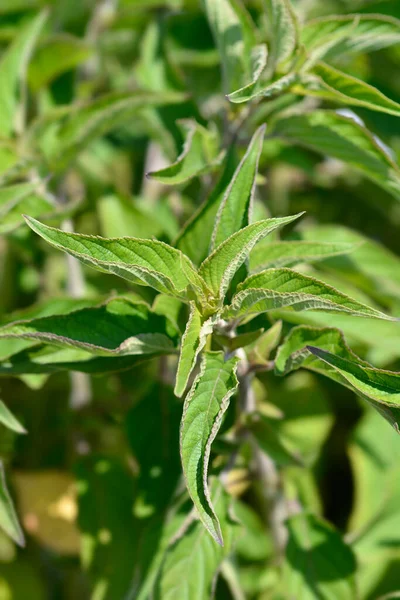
x,y
204,407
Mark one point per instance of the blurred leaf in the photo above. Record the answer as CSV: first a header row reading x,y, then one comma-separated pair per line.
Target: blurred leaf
x,y
318,563
341,137
337,36
268,91
283,26
123,217
8,518
198,156
288,254
255,543
60,53
270,439
336,86
13,66
203,410
192,561
8,419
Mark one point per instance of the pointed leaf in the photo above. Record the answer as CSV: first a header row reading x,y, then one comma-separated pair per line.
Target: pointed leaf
x,y
8,419
198,156
325,351
275,88
234,37
381,388
341,137
141,261
8,518
338,35
235,209
116,328
318,563
195,238
13,65
331,84
203,410
289,254
192,343
219,268
283,27
278,288
192,560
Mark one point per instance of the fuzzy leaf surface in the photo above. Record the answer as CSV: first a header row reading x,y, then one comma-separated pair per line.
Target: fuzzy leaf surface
x,y
219,268
279,288
204,407
141,261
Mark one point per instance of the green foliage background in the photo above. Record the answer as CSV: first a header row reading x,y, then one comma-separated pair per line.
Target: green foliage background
x,y
115,120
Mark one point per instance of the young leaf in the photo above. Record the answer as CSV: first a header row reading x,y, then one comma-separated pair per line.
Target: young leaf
x,y
8,519
338,35
318,563
289,254
195,238
116,328
278,288
331,84
192,343
198,156
192,561
234,36
13,67
8,419
219,268
204,407
283,27
235,209
141,261
341,137
259,56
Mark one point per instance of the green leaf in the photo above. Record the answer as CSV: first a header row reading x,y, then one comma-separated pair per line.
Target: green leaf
x,y
288,254
8,519
8,419
341,137
198,156
381,388
63,137
204,407
13,66
234,35
271,440
318,563
283,26
195,238
335,36
282,84
330,84
236,207
192,343
58,54
278,288
141,261
116,328
192,561
219,268
122,217
325,351
259,56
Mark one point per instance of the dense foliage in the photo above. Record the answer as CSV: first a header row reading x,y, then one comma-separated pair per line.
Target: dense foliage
x,y
200,393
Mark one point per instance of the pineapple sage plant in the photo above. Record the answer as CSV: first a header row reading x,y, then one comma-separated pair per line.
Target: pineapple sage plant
x,y
228,507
